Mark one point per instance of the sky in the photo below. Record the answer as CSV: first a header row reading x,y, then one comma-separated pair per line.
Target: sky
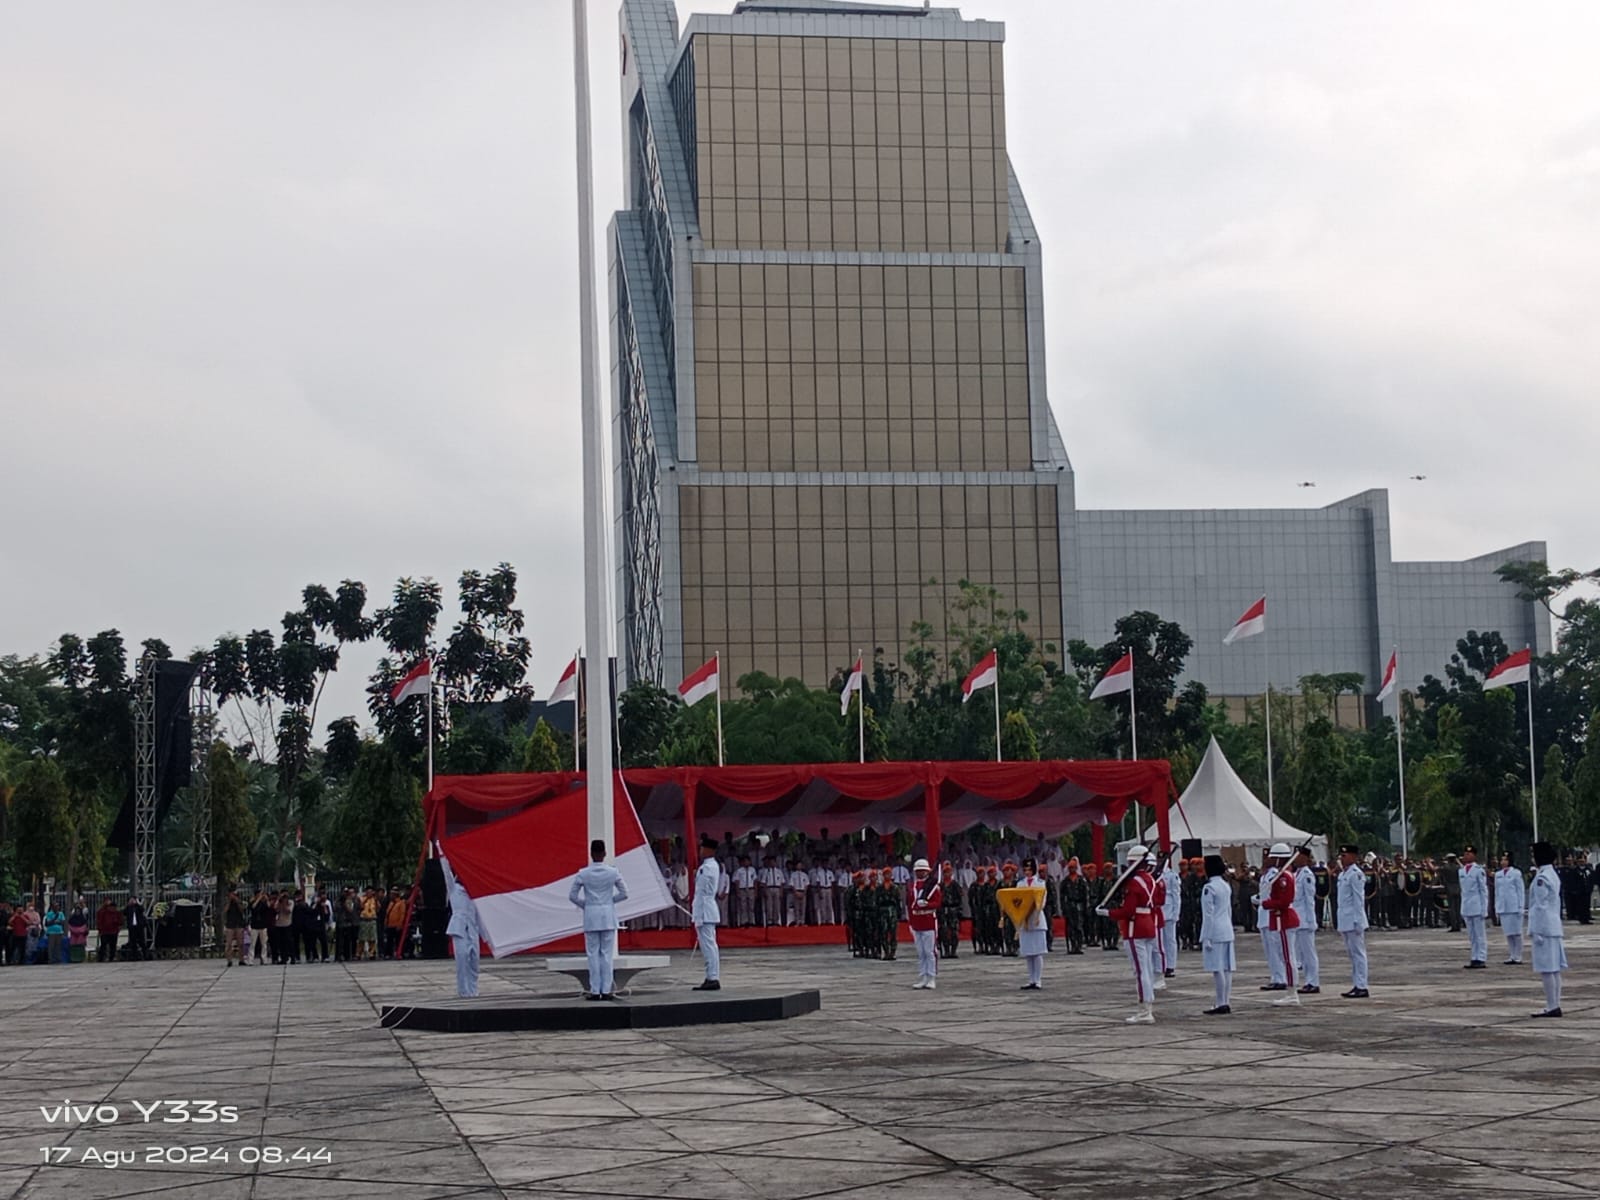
x,y
288,292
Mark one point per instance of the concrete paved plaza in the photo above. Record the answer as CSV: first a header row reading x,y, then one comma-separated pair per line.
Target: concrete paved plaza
x,y
1438,1087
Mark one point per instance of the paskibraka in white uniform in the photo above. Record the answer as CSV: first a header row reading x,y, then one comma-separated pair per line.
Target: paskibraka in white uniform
x,y
1216,936
707,881
1510,904
1544,926
1350,913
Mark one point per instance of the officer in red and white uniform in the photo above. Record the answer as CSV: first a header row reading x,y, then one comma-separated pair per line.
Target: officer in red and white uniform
x,y
923,917
1135,916
1278,904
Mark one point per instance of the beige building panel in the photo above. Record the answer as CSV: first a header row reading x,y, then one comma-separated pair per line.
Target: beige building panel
x,y
856,575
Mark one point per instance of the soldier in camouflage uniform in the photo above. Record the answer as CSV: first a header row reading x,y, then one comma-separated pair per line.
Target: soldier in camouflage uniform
x,y
1110,936
949,913
1189,904
847,914
1091,897
1007,932
1075,902
888,914
985,916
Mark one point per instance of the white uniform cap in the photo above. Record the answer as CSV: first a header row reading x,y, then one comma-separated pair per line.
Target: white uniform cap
x,y
1137,852
921,865
1279,850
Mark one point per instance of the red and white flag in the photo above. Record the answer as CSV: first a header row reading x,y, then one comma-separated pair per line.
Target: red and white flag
x,y
700,684
416,683
852,684
1515,669
519,870
1117,680
1253,622
566,687
1389,672
984,674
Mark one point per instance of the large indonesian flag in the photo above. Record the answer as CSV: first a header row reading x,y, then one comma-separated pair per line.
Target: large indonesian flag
x,y
1513,670
1389,672
1253,622
853,684
983,675
1118,679
700,684
518,870
415,683
566,687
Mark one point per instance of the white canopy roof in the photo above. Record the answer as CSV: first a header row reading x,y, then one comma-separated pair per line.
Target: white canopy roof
x,y
1222,811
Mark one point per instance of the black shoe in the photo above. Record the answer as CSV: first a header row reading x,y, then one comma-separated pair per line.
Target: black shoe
x,y
710,985
1274,987
1475,965
1221,1010
1170,974
1554,1012
608,996
1510,962
1030,987
1356,994
593,996
1310,990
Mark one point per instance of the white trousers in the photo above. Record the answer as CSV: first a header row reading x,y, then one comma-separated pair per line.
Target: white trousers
x,y
1552,990
1142,954
1305,948
1355,945
708,950
601,947
822,901
927,953
1223,981
1514,947
1036,969
1273,949
1169,946
1478,936
466,949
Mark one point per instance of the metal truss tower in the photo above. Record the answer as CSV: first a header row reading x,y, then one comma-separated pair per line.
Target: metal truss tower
x,y
143,883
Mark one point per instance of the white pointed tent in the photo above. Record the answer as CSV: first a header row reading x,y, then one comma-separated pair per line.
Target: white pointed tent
x,y
1223,813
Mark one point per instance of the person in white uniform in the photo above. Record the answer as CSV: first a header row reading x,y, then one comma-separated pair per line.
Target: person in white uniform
x,y
1544,927
724,890
1304,937
597,889
799,884
1216,933
1271,943
1350,914
744,893
822,893
464,932
1475,907
707,915
1510,905
1032,940
1170,906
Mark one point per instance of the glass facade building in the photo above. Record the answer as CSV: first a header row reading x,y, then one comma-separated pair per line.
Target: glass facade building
x,y
828,376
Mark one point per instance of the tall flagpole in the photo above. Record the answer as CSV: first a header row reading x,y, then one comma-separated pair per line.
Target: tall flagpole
x,y
430,724
998,756
1533,779
1272,807
861,709
596,539
1400,752
577,710
718,659
1133,714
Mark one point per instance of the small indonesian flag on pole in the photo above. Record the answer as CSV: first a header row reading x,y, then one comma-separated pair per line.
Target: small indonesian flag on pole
x,y
1513,670
1117,680
700,684
1389,672
567,686
851,685
1253,622
983,675
416,683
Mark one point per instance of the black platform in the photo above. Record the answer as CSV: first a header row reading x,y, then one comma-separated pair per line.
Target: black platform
x,y
657,1010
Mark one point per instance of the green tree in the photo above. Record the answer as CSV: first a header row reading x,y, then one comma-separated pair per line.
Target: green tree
x,y
1586,785
781,721
1168,719
645,715
41,820
1558,813
543,752
378,829
862,730
486,657
1017,739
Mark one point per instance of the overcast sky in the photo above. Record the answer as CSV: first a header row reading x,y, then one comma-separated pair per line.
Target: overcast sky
x,y
288,291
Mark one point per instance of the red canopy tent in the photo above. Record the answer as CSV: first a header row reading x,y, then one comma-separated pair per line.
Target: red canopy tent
x,y
1038,799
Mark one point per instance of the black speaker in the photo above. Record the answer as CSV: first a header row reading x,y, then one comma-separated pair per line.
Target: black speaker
x,y
433,889
1191,848
180,928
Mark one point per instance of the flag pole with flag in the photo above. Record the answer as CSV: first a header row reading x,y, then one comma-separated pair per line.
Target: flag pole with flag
x,y
1390,686
1115,681
569,687
418,680
854,684
1254,621
1518,668
702,682
986,674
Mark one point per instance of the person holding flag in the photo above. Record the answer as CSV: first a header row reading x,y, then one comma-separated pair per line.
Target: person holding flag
x,y
597,889
463,930
706,914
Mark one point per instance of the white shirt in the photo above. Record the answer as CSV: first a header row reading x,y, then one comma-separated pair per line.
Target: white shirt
x,y
596,889
1174,897
1036,919
799,880
1216,911
463,912
1544,903
821,877
1510,893
771,877
1350,895
723,881
1474,890
744,877
967,876
706,882
901,874
1305,898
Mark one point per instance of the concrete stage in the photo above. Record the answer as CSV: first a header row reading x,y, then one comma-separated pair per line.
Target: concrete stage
x,y
646,1010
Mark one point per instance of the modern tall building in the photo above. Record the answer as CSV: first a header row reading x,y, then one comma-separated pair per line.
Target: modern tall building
x,y
828,382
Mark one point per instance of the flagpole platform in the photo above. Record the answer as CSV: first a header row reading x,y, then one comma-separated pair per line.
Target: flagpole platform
x,y
656,1010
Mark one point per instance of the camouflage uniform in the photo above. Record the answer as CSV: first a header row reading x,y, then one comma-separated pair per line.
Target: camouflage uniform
x,y
1075,899
949,914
